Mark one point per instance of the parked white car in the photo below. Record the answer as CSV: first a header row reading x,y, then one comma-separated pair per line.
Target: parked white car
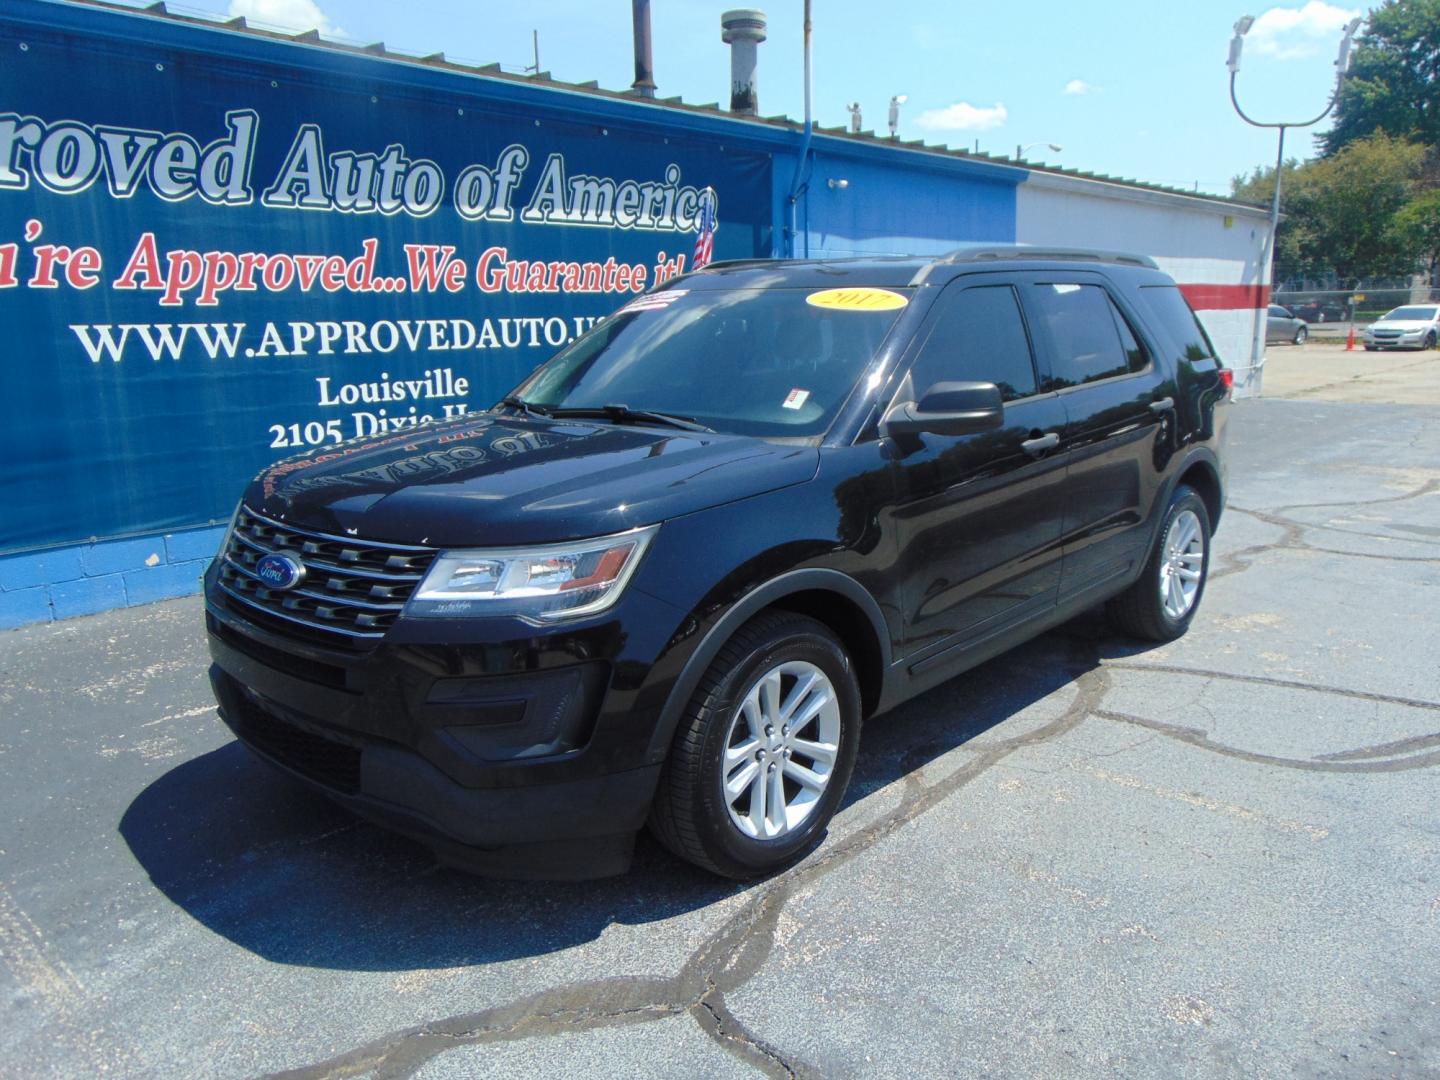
x,y
1415,326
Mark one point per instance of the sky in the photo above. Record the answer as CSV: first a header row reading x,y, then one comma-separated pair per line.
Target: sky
x,y
1127,88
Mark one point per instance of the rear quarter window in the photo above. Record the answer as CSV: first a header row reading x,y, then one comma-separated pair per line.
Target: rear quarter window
x,y
1175,316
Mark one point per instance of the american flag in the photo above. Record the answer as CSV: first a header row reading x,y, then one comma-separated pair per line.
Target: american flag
x,y
705,242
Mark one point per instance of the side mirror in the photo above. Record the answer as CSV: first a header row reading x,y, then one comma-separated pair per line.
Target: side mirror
x,y
948,408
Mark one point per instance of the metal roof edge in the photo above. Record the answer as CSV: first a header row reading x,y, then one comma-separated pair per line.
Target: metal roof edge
x,y
1105,188
509,88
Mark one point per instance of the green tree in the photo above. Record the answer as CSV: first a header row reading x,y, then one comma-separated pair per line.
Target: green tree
x,y
1394,82
1340,211
1418,222
1296,233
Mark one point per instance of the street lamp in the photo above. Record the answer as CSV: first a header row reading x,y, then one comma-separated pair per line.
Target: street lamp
x,y
1342,65
1020,151
854,110
895,103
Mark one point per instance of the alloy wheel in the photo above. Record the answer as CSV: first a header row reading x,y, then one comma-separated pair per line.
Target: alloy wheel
x,y
1183,565
780,750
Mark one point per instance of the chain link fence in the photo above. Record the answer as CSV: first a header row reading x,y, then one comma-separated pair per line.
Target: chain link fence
x,y
1323,303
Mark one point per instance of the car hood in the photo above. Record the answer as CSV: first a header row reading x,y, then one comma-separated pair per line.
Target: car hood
x,y
495,480
1402,324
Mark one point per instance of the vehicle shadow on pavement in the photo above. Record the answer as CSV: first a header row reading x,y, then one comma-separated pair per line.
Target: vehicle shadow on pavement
x,y
291,877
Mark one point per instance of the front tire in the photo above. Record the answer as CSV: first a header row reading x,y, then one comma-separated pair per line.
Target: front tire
x,y
1162,603
1430,340
764,750
1301,333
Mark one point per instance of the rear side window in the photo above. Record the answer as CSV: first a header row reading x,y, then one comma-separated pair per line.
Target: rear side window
x,y
1089,339
978,337
1173,313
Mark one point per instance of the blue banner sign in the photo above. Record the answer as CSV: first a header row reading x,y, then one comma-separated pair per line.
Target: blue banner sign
x,y
208,263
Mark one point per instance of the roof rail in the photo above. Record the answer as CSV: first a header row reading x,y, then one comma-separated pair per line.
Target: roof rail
x,y
987,252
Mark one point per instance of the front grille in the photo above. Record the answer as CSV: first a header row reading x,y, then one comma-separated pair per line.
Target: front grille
x,y
352,587
329,762
302,667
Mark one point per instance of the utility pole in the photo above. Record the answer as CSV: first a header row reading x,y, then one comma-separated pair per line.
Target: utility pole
x,y
1267,257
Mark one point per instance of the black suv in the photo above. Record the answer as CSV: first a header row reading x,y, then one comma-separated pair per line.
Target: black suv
x,y
667,577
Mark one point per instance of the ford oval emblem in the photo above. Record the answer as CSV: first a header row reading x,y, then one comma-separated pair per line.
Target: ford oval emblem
x,y
280,571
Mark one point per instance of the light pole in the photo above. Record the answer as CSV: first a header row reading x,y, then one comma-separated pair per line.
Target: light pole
x,y
895,103
854,110
1020,151
1342,65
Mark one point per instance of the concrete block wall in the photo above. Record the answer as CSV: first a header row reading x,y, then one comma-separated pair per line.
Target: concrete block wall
x,y
86,578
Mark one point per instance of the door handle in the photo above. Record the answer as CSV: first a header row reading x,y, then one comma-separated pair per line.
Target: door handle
x,y
1165,404
1041,443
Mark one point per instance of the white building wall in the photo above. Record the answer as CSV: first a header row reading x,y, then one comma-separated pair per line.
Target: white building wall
x,y
1212,249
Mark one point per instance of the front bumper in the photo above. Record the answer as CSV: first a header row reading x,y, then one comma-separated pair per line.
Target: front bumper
x,y
520,756
1405,342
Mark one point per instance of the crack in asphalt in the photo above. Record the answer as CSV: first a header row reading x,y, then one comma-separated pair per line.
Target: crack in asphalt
x,y
1198,738
1233,562
717,1021
1267,680
724,962
1424,489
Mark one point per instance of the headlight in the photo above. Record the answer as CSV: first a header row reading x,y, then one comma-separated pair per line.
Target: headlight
x,y
552,582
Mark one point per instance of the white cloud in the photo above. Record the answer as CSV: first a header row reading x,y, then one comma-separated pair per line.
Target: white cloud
x,y
287,14
1295,33
962,116
1079,87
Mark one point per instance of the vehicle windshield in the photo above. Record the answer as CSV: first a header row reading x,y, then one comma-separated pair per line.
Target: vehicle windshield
x,y
1411,314
773,362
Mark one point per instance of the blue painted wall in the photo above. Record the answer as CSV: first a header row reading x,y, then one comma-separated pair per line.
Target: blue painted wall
x,y
899,202
141,457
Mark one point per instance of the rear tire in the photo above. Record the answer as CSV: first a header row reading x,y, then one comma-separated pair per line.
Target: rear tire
x,y
743,793
1161,604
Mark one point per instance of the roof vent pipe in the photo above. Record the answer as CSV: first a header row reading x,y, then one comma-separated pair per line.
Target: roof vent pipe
x,y
743,29
644,83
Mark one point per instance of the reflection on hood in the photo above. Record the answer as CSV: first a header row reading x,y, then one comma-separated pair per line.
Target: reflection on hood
x,y
492,479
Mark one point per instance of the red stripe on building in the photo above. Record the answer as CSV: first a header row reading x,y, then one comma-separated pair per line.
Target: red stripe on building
x,y
1226,297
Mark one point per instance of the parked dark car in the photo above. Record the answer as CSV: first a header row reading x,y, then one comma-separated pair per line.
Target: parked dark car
x,y
667,577
1323,310
1283,326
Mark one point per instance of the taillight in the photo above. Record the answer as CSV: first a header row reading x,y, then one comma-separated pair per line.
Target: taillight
x,y
1227,379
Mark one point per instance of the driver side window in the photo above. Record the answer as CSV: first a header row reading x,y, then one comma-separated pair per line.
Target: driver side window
x,y
979,336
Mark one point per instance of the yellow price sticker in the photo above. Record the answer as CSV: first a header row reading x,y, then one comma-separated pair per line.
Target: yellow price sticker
x,y
857,299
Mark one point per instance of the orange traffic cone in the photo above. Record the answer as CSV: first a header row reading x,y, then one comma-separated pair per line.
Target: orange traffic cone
x,y
1350,341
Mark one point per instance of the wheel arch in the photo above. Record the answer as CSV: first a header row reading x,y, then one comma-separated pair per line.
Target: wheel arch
x,y
830,597
1201,474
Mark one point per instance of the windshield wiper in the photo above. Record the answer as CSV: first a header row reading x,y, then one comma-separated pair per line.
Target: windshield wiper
x,y
525,406
623,414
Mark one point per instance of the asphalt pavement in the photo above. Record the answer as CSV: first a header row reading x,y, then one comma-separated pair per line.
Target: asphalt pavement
x,y
1328,371
1087,858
